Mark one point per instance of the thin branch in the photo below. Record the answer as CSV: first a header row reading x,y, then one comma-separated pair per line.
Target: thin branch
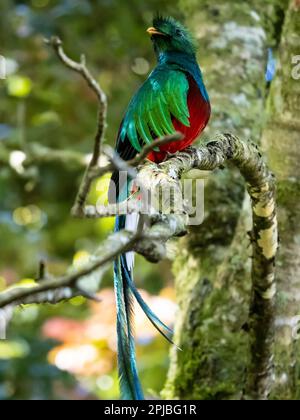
x,y
162,141
79,67
42,273
55,289
116,163
37,155
20,295
127,166
56,43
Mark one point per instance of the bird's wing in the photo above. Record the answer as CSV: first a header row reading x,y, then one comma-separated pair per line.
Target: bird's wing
x,y
162,97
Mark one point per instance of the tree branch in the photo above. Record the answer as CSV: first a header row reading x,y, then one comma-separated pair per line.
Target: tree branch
x,y
66,286
39,293
151,243
56,43
140,158
37,154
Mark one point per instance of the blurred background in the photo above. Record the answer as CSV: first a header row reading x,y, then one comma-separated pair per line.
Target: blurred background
x,y
68,351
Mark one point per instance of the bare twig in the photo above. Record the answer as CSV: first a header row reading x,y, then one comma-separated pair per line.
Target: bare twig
x,y
121,165
53,289
56,43
20,295
81,68
140,158
117,163
42,273
39,154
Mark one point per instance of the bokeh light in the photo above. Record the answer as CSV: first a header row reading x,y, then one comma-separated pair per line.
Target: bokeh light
x,y
141,66
28,215
16,160
18,86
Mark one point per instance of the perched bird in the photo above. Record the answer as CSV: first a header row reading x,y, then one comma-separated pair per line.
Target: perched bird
x,y
173,98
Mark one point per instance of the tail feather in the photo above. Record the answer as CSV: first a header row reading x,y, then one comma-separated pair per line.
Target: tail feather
x,y
125,290
129,382
156,322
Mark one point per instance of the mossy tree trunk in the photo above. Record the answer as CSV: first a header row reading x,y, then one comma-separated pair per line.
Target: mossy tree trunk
x,y
212,268
281,143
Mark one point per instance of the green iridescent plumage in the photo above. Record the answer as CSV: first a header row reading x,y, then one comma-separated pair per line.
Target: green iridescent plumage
x,y
163,95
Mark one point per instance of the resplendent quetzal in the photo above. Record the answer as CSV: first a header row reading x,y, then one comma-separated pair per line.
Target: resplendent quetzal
x,y
173,98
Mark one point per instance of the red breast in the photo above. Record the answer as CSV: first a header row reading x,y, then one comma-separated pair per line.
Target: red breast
x,y
199,110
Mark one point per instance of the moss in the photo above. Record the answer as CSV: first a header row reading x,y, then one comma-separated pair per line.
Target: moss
x,y
288,193
213,282
202,373
281,142
213,360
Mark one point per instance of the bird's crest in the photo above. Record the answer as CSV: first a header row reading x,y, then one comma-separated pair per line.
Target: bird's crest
x,y
172,26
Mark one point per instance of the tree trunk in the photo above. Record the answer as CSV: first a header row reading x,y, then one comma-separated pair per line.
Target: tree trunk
x,y
212,268
281,142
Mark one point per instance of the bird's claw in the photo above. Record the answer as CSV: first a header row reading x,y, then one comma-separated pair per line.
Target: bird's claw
x,y
170,155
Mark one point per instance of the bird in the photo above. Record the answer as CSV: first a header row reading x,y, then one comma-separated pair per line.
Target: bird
x,y
172,99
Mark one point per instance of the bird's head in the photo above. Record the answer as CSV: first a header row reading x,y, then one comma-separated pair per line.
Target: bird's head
x,y
167,34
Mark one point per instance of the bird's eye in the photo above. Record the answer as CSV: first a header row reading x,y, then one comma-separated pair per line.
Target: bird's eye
x,y
178,32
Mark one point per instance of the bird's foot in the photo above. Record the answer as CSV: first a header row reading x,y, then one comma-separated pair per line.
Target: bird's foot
x,y
170,155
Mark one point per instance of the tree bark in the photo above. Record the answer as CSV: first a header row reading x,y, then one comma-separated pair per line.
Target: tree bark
x,y
212,268
281,142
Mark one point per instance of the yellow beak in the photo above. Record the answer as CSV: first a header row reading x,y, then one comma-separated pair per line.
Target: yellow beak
x,y
154,31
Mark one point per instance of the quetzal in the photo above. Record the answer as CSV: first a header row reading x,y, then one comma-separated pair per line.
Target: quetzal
x,y
173,98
